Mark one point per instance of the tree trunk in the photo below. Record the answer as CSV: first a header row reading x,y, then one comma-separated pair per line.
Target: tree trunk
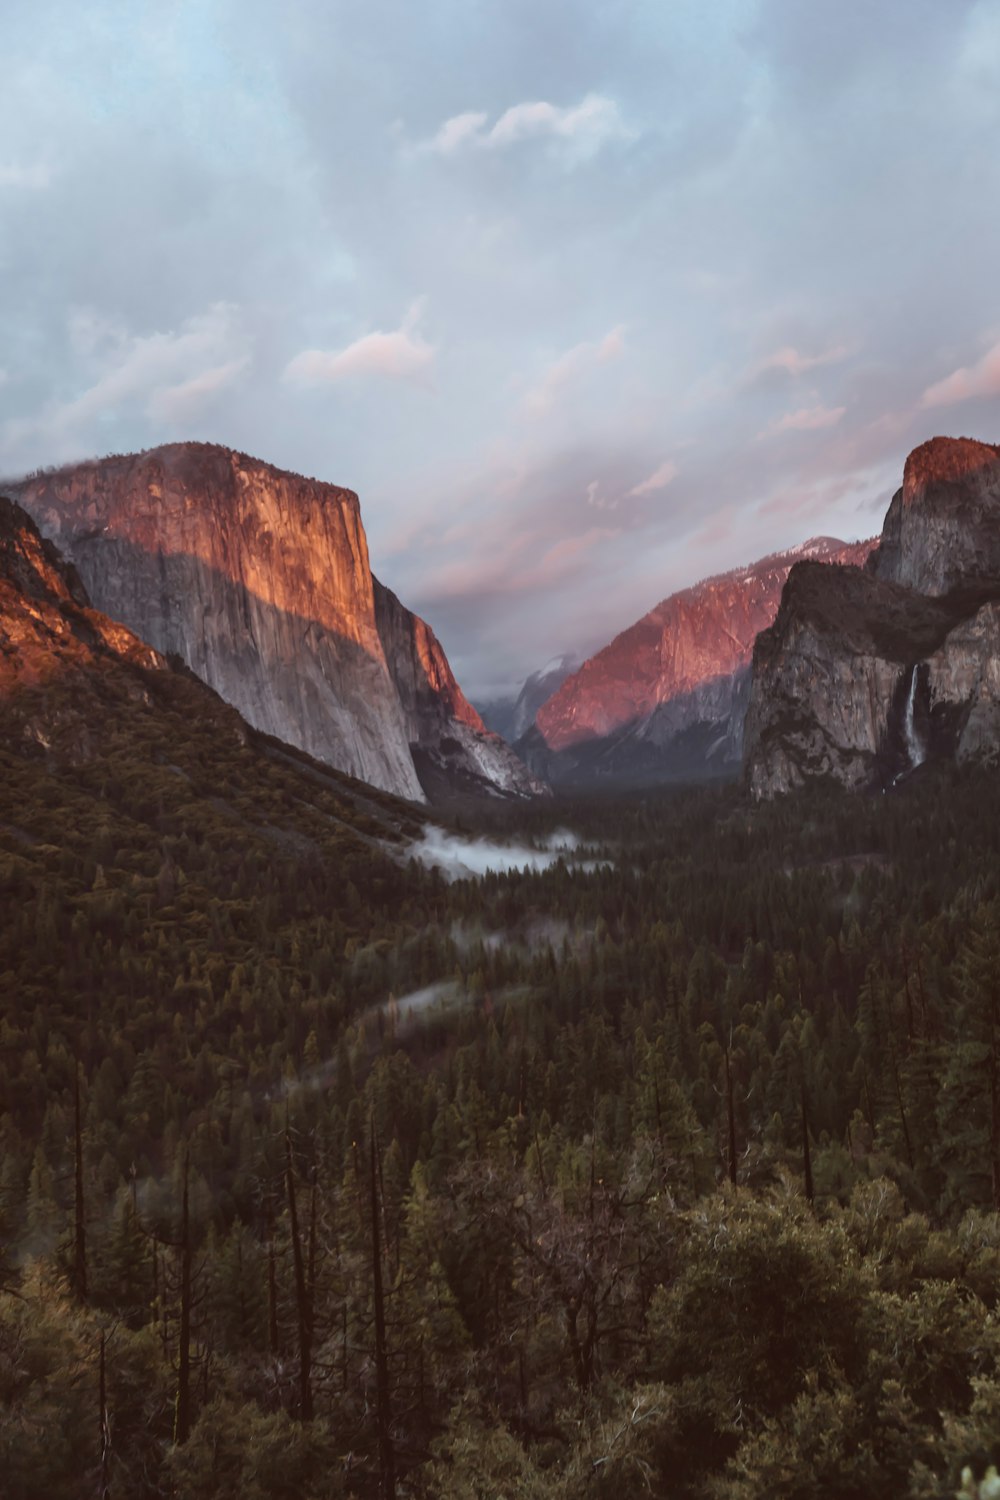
x,y
386,1456
302,1298
731,1120
182,1410
79,1212
806,1154
104,1426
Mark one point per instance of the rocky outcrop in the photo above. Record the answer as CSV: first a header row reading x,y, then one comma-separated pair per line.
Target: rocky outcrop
x,y
449,741
942,530
667,697
54,649
258,579
867,674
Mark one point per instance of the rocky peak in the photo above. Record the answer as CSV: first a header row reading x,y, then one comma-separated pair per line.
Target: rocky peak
x,y
701,636
259,580
451,746
855,660
942,529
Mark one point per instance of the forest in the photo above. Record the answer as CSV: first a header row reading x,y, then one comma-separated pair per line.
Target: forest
x,y
680,1176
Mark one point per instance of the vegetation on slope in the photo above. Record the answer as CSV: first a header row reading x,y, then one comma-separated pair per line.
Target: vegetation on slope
x,y
692,1188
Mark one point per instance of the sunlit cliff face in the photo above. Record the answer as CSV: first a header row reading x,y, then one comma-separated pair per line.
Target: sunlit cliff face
x,y
942,529
865,676
690,640
259,580
46,628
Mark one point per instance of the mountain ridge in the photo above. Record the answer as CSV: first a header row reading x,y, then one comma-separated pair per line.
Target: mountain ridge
x,y
260,581
666,697
864,676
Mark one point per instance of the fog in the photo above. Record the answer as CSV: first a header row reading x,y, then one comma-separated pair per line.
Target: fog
x,y
467,858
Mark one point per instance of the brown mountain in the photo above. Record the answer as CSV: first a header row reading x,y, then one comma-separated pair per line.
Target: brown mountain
x,y
668,695
864,676
259,580
50,639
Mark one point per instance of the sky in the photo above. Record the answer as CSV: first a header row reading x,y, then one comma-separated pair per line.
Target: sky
x,y
587,301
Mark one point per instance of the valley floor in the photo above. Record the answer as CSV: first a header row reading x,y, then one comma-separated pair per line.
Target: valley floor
x,y
670,1166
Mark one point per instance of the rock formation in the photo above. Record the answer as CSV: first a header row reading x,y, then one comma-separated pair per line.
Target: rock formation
x,y
667,697
866,674
451,745
257,579
54,649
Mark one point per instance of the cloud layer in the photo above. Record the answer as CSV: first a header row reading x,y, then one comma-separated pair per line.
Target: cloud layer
x,y
584,301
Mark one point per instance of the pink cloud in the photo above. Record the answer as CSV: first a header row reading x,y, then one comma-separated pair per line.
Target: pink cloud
x,y
808,419
177,403
794,363
570,366
658,480
980,379
401,355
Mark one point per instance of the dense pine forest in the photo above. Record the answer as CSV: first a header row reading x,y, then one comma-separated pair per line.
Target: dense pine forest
x,y
671,1170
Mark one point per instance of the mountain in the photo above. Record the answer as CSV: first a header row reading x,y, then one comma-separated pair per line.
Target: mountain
x,y
864,676
451,746
259,581
59,659
513,717
667,697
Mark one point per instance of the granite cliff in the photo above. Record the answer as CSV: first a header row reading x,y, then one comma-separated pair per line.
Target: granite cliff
x,y
58,657
451,746
259,581
865,675
667,697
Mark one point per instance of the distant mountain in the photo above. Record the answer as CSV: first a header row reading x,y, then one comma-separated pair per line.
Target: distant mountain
x,y
513,717
667,697
259,581
864,676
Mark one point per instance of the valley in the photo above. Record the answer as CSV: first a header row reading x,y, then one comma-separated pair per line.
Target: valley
x,y
493,1135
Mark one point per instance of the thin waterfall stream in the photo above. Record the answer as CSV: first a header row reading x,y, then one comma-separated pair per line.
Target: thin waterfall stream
x,y
914,748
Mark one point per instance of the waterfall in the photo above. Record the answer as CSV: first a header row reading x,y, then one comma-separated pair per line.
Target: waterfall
x,y
914,749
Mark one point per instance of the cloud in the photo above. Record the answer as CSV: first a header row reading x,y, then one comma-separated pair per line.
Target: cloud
x,y
402,355
794,363
980,379
658,480
565,553
570,367
175,403
585,126
162,374
460,130
809,419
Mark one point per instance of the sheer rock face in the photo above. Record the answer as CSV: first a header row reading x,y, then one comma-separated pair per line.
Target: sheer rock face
x,y
866,674
671,691
259,580
446,734
942,530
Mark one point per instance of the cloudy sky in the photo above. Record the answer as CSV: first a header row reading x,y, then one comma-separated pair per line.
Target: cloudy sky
x,y
586,300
